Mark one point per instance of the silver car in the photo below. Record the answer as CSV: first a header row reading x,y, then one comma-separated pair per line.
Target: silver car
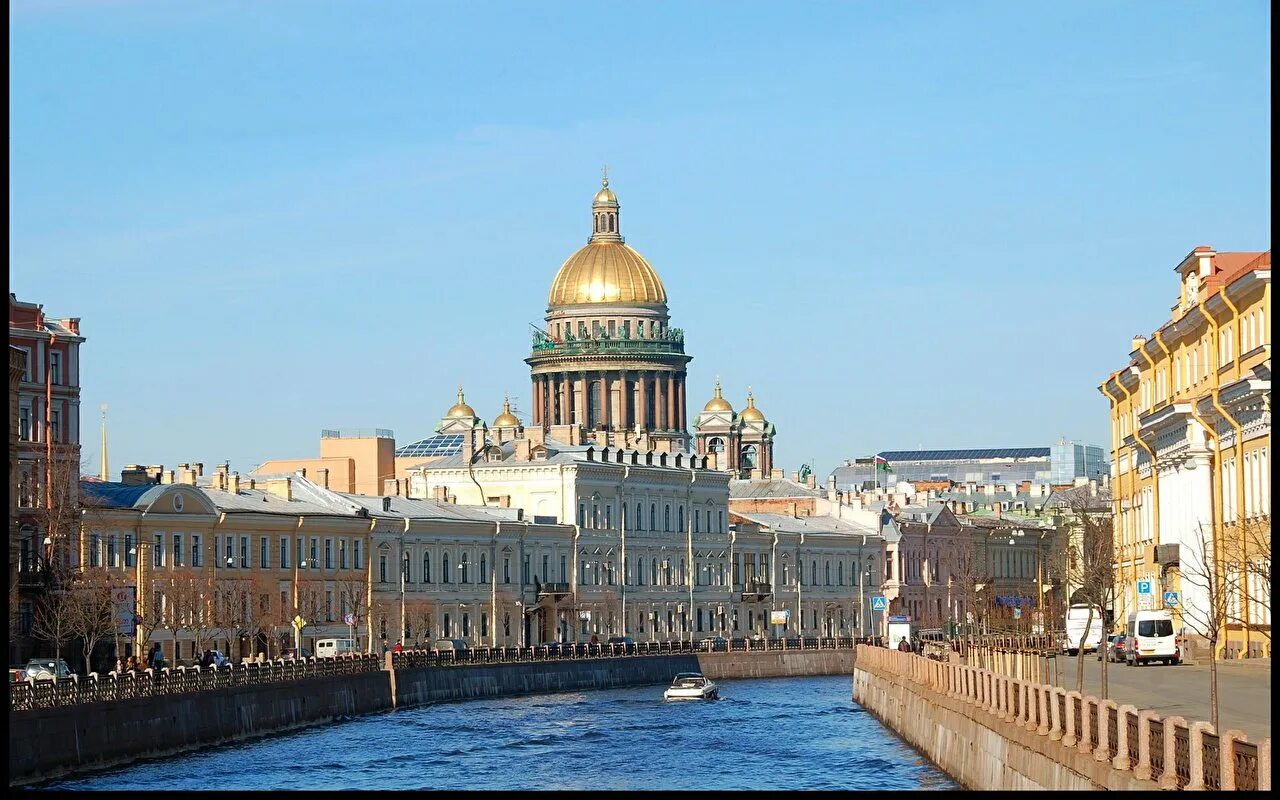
x,y
47,669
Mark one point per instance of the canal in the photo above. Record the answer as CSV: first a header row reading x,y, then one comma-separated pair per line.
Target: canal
x,y
780,733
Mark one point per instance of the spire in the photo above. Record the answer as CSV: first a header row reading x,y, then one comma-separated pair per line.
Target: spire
x,y
604,212
105,473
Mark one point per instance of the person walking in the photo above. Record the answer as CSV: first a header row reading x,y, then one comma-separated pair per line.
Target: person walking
x,y
384,647
399,648
903,645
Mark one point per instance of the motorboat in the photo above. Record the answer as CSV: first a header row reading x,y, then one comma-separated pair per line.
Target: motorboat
x,y
691,686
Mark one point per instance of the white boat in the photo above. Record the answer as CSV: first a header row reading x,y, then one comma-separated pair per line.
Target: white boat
x,y
691,686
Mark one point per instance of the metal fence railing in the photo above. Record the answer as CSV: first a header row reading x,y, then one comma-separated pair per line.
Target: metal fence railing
x,y
29,695
1169,751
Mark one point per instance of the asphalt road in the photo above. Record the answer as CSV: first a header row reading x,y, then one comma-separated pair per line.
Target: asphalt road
x,y
1244,690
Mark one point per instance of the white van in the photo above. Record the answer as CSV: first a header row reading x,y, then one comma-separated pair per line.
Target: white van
x,y
1077,638
1149,636
328,648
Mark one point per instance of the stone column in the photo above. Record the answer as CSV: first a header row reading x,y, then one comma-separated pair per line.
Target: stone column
x,y
669,391
642,413
1070,739
580,402
1102,752
1226,758
565,411
606,400
1121,761
682,413
1055,712
1169,776
1087,703
624,404
1195,736
1143,769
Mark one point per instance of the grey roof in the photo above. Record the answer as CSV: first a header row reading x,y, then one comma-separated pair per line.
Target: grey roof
x,y
1080,498
266,503
770,487
964,455
557,453
928,514
429,509
105,494
785,523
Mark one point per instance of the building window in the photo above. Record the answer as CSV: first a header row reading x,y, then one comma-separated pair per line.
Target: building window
x,y
653,516
315,552
524,570
466,624
444,569
284,553
639,518
564,569
328,554
244,552
95,557
342,553
666,518
24,424
157,551
382,568
426,567
356,553
484,569
506,570
113,557
264,553
466,568
680,518
177,550
484,624
55,367
448,626
328,606
55,425
582,514
546,568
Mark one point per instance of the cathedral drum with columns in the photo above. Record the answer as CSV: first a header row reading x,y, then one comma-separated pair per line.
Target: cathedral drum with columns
x,y
608,359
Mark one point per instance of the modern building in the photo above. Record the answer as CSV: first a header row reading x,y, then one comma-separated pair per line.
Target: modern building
x,y
1191,440
46,454
1010,469
350,461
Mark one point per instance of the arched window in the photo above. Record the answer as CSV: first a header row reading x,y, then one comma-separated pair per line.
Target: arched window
x,y
464,567
653,575
749,454
666,517
715,445
484,569
444,569
813,572
653,516
827,576
681,574
426,567
639,518
680,517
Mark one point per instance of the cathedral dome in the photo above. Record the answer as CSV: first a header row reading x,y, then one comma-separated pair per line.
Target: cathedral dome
x,y
460,408
751,413
718,403
506,419
606,271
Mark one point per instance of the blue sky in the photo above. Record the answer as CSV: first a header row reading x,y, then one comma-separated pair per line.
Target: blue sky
x,y
905,224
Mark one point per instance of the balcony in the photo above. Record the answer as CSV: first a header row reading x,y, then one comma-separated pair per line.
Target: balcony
x,y
551,589
754,592
670,344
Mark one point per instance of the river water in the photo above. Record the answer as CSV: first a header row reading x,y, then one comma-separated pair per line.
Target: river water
x,y
781,733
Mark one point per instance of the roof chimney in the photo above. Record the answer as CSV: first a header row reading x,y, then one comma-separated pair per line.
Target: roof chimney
x,y
233,483
1138,341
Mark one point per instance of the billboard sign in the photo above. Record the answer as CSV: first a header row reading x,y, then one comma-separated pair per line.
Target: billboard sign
x,y
779,617
124,602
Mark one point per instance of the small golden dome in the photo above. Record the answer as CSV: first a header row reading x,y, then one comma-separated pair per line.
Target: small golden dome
x,y
460,408
718,403
607,272
506,419
605,195
751,413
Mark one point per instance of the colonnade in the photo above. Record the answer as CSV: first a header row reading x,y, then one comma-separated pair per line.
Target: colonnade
x,y
653,398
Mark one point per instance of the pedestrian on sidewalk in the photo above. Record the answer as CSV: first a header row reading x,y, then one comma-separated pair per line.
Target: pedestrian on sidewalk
x,y
398,648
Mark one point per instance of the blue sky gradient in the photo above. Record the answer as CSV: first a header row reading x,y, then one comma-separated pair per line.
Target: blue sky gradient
x,y
905,224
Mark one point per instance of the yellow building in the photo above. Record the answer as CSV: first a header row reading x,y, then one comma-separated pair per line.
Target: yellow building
x,y
1194,399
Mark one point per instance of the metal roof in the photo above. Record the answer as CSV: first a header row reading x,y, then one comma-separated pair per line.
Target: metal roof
x,y
442,444
104,494
770,487
964,455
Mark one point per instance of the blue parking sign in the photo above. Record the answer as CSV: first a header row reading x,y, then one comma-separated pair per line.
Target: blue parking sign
x,y
1171,599
879,603
1144,587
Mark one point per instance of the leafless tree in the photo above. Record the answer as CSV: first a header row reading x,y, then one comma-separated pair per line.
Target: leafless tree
x,y
1205,574
262,612
92,612
1248,546
966,567
354,600
1090,565
418,617
192,599
237,600
55,612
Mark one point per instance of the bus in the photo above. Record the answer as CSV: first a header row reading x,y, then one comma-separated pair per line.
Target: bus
x,y
1076,637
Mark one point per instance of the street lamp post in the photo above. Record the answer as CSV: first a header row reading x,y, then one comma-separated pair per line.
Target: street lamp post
x,y
300,563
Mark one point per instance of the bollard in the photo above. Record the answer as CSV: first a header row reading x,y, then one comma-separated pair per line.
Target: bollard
x,y
1069,739
1169,775
1264,765
1121,761
1227,758
1044,692
1196,737
1103,752
1032,698
1143,769
1085,746
1055,711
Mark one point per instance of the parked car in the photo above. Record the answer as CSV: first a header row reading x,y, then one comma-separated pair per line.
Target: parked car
x,y
622,640
292,652
1150,637
47,669
17,672
442,645
716,643
1114,648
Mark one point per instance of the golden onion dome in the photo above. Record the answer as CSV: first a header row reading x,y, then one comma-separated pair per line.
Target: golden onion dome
x,y
718,403
751,413
506,419
460,408
605,195
607,272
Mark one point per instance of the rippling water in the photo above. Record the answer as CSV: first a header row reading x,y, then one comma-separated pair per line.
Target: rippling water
x,y
784,733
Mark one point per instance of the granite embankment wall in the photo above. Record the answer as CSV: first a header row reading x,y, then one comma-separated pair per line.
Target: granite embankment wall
x,y
51,742
976,748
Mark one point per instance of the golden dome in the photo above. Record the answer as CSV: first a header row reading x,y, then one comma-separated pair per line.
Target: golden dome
x,y
605,195
751,413
718,403
460,408
506,419
607,272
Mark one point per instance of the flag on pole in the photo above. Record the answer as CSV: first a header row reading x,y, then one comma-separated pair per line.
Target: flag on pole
x,y
882,463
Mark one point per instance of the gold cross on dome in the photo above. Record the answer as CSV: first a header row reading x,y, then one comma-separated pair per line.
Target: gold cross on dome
x,y
604,175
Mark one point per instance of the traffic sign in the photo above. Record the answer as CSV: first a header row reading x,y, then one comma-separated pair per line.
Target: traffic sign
x,y
350,618
299,622
1144,587
1171,599
879,603
1017,613
1144,602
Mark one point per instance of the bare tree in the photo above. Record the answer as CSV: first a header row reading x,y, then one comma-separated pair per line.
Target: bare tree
x,y
54,619
262,614
1091,566
192,599
1207,614
237,601
354,601
1248,546
418,617
92,612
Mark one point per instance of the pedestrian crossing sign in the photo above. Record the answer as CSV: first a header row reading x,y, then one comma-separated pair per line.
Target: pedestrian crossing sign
x,y
1170,599
879,603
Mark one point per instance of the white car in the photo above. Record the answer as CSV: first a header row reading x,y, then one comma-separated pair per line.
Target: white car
x,y
1149,637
